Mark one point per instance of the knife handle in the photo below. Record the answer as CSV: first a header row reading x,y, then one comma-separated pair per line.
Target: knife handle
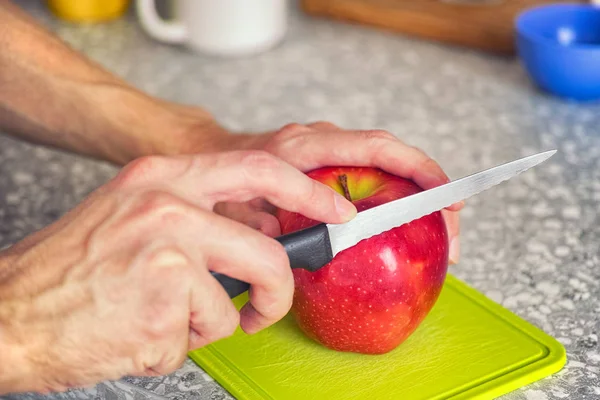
x,y
232,286
309,249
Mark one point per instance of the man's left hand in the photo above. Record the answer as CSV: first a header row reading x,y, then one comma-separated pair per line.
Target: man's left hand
x,y
321,144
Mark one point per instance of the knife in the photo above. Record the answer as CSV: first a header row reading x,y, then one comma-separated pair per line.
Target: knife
x,y
315,247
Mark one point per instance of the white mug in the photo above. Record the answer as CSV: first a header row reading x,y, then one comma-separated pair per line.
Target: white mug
x,y
221,27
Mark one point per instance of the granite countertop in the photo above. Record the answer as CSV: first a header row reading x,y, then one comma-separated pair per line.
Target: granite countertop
x,y
531,244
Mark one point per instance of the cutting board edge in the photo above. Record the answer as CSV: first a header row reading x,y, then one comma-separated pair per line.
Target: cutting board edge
x,y
551,362
210,361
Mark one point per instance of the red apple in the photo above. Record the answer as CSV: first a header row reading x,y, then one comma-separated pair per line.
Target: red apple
x,y
372,296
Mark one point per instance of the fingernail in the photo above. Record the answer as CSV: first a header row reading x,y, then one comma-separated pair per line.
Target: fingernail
x,y
344,208
454,250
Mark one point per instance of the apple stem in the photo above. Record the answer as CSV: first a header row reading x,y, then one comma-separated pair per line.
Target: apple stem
x,y
344,182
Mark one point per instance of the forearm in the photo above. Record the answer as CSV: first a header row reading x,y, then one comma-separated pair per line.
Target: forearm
x,y
15,369
14,366
52,95
32,302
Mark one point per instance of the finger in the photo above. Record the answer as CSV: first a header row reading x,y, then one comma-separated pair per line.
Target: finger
x,y
453,227
244,176
263,222
242,253
235,211
174,351
366,148
163,308
252,320
454,207
221,245
324,126
148,170
213,316
262,205
189,232
248,214
239,177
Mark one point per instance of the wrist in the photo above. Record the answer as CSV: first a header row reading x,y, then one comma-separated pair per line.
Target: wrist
x,y
137,125
187,130
151,126
209,137
132,124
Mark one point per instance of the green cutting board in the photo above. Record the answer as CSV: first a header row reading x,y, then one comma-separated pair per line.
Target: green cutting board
x,y
468,347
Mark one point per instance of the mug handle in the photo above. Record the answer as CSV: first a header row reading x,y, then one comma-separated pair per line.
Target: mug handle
x,y
155,26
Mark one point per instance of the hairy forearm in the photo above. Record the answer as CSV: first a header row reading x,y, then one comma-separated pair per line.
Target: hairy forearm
x,y
14,367
52,95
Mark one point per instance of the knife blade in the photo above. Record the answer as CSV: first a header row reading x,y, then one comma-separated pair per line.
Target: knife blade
x,y
315,247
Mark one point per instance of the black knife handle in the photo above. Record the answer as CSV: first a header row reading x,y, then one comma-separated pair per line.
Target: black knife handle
x,y
232,286
308,248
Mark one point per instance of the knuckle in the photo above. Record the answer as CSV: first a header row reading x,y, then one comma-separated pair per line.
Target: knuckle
x,y
169,264
224,329
159,321
429,164
273,309
324,125
276,308
377,141
289,139
259,164
290,132
161,206
272,313
166,278
317,197
143,216
137,171
280,273
172,362
419,150
377,135
292,129
231,324
279,258
289,144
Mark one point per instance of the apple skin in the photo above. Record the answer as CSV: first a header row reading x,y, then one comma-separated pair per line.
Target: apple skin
x,y
371,297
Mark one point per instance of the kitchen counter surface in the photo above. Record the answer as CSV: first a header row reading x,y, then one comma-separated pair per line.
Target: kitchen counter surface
x,y
531,244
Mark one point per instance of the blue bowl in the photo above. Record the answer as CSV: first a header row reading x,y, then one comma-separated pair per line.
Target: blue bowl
x,y
559,47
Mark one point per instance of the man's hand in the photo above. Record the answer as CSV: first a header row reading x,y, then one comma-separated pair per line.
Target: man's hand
x,y
121,284
320,144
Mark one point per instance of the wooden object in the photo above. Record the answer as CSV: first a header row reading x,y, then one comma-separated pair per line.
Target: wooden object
x,y
482,24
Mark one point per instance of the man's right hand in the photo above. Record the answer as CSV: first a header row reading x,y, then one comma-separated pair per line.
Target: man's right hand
x,y
121,284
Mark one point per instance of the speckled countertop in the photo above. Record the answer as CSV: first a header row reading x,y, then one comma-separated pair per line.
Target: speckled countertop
x,y
531,244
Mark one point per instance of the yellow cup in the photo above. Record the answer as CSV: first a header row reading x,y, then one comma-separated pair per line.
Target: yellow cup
x,y
88,10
